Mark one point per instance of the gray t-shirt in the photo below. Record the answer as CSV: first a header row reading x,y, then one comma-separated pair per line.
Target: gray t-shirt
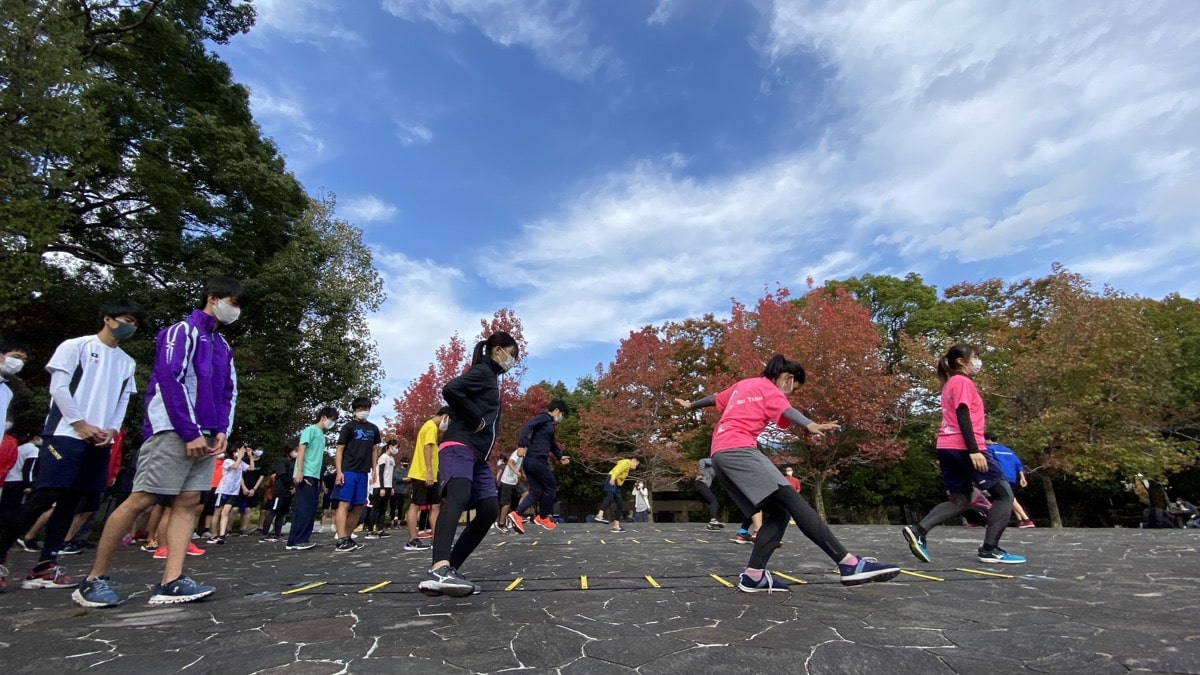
x,y
706,472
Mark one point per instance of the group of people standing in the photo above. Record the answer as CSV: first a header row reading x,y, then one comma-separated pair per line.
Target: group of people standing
x,y
189,408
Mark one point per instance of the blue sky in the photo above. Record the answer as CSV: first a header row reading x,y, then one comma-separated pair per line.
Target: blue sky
x,y
598,166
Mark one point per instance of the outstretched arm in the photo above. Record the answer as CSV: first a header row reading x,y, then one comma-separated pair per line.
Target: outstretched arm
x,y
706,402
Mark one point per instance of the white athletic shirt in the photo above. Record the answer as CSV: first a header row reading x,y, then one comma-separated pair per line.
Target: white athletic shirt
x,y
509,477
89,381
231,477
389,469
25,453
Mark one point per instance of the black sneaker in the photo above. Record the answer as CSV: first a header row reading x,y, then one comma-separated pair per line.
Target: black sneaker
x,y
346,545
601,519
71,548
446,581
30,545
417,545
300,547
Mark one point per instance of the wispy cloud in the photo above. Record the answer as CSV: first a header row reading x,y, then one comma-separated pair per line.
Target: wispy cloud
x,y
413,134
555,31
364,209
283,117
303,20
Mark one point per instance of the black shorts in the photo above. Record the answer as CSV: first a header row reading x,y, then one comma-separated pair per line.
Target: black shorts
x,y
210,503
89,502
424,495
226,500
510,495
167,500
245,502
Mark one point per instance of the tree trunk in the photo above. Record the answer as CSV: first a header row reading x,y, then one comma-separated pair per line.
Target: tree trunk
x,y
818,497
1051,501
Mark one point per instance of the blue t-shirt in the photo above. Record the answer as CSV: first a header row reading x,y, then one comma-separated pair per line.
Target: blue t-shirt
x,y
1009,463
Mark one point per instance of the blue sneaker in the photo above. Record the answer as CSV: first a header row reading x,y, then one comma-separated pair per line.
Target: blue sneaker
x,y
866,571
766,584
182,589
445,580
999,555
916,545
96,593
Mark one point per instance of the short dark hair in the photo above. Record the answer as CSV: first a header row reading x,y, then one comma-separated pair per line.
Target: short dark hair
x,y
13,346
989,436
328,412
559,405
225,287
360,403
444,410
123,307
779,364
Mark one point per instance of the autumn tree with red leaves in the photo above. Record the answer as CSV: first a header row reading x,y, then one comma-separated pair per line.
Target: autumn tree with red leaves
x,y
847,380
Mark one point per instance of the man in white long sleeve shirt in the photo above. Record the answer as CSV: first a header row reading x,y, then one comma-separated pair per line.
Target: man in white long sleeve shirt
x,y
91,381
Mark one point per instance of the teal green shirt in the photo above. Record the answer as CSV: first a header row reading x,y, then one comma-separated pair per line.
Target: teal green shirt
x,y
313,438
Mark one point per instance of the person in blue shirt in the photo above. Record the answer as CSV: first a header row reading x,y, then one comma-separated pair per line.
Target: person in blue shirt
x,y
1014,472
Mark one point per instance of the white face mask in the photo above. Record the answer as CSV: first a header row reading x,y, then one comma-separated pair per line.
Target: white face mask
x,y
258,453
394,451
226,312
974,366
508,362
444,424
7,426
361,415
329,424
11,366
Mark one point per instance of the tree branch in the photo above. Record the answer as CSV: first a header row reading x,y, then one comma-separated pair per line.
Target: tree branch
x,y
87,254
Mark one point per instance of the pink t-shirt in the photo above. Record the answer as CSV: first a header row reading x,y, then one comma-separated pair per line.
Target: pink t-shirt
x,y
746,408
960,389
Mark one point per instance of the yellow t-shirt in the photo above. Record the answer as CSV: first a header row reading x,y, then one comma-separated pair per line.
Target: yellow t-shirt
x,y
621,471
427,436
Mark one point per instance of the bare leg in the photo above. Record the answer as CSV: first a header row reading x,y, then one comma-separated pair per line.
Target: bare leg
x,y
118,523
179,533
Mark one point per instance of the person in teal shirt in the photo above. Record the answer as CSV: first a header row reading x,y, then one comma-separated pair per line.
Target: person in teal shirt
x,y
310,452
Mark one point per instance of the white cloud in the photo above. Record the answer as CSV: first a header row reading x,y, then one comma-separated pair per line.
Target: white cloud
x,y
1006,133
282,117
553,30
413,134
364,209
303,20
661,13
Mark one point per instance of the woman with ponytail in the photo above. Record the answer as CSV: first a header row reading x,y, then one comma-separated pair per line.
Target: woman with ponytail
x,y
755,484
964,460
464,472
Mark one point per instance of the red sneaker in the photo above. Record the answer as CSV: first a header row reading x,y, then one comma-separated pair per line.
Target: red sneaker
x,y
1024,524
194,549
516,522
48,575
545,522
160,553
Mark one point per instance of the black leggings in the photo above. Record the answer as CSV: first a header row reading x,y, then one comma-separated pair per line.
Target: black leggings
x,y
458,499
997,519
63,500
777,508
279,514
709,498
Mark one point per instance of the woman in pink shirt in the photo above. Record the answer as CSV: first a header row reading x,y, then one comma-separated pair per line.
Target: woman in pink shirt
x,y
964,460
755,484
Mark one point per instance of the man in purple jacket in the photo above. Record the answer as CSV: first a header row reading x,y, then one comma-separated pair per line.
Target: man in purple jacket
x,y
189,414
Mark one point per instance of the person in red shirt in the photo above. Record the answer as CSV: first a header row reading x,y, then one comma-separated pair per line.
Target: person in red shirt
x,y
755,484
964,460
792,480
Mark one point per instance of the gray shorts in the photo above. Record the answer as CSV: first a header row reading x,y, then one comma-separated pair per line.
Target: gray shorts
x,y
749,472
165,469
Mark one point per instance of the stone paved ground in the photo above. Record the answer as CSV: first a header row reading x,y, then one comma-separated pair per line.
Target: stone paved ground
x,y
1090,601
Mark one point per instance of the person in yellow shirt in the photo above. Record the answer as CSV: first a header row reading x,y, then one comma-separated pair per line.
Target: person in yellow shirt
x,y
612,493
422,477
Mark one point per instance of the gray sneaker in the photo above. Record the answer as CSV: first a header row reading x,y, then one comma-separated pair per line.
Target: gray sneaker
x,y
446,581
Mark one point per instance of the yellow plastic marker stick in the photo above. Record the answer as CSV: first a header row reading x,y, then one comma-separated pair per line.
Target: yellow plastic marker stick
x,y
516,582
785,577
702,541
583,583
668,540
986,574
568,542
603,542
501,544
307,587
635,541
535,543
722,580
376,587
921,576
652,581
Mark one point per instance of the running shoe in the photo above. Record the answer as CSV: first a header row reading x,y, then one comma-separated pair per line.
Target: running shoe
x,y
213,540
999,555
601,519
545,522
617,530
712,528
30,545
516,522
371,536
741,538
866,571
497,527
150,546
71,548
715,524
346,545
916,545
416,545
424,534
269,539
95,593
126,541
446,581
48,575
160,553
194,549
300,547
382,534
182,589
767,584
1024,524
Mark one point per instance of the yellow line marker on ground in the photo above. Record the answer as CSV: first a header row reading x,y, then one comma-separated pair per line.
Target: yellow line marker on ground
x,y
583,583
603,542
516,582
535,543
501,544
785,577
702,541
668,540
921,576
722,580
376,587
986,574
306,587
652,581
635,541
568,542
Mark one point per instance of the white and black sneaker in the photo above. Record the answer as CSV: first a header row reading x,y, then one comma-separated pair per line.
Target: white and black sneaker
x,y
446,581
601,519
300,547
416,545
346,545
